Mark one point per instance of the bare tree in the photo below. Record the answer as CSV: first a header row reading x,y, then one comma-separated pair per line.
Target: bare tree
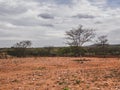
x,y
79,36
23,44
20,48
102,42
76,38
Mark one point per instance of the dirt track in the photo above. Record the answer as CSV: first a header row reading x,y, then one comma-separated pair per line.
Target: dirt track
x,y
60,73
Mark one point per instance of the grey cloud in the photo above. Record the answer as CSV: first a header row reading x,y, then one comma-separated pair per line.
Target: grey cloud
x,y
98,3
41,20
25,22
47,25
9,10
65,2
7,43
98,22
30,22
114,36
6,34
46,16
83,16
41,0
58,2
113,3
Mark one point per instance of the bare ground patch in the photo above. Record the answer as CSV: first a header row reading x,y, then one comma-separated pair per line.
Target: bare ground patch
x,y
60,73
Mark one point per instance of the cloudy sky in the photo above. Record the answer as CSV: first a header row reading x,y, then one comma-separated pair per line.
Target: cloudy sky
x,y
44,22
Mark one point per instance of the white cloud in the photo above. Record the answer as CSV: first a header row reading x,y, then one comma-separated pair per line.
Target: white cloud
x,y
47,20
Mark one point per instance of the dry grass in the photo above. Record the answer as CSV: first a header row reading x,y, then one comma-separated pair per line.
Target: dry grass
x,y
60,73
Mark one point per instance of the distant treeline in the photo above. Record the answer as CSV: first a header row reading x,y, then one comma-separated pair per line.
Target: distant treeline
x,y
75,39
94,50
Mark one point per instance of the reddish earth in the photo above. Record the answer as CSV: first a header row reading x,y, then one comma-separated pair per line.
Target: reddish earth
x,y
60,73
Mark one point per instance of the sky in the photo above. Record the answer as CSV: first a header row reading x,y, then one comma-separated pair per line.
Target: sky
x,y
44,22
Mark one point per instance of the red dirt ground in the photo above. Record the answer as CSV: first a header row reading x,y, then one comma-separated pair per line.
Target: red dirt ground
x,y
60,73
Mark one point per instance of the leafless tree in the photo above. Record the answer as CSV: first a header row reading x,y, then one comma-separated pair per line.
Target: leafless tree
x,y
102,42
23,44
78,37
20,48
